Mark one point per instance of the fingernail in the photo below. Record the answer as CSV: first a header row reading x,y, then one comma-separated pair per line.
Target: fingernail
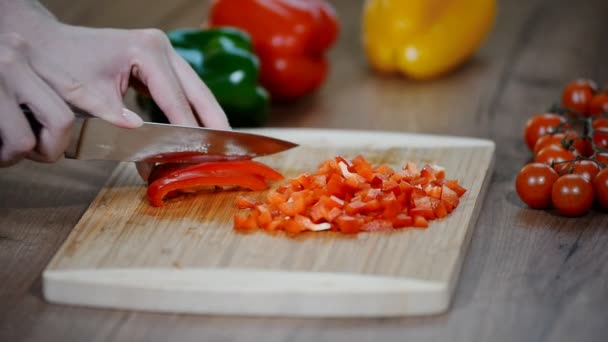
x,y
132,118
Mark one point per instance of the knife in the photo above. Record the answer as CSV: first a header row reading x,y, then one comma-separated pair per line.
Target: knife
x,y
96,139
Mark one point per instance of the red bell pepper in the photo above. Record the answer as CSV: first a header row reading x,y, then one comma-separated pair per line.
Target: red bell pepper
x,y
289,36
168,179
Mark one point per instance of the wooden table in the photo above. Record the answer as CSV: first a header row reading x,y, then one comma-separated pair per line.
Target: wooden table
x,y
529,275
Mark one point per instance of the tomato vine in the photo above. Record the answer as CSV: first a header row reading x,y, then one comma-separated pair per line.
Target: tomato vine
x,y
570,146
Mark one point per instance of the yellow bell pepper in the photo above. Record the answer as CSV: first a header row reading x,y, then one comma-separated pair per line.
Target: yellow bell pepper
x,y
424,39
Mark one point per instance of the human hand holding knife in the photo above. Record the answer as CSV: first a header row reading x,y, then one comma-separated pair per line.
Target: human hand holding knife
x,y
52,67
95,139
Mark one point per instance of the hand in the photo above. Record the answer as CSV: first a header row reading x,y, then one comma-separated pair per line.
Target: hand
x,y
19,83
49,65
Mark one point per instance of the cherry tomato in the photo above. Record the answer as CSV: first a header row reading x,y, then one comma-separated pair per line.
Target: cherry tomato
x,y
600,138
534,184
556,139
581,146
599,104
572,195
577,95
600,123
540,125
602,158
554,154
586,168
600,185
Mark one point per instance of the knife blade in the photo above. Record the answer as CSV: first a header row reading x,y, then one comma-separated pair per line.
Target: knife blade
x,y
96,139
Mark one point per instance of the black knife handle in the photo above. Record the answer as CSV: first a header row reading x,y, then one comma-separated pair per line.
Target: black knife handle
x,y
74,144
31,118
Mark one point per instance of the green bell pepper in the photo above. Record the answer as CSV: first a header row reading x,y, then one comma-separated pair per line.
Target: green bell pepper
x,y
224,59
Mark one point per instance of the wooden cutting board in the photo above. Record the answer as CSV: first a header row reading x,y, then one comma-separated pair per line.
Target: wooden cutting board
x,y
186,257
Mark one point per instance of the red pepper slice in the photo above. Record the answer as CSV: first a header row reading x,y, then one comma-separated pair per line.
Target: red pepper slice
x,y
162,170
241,166
170,178
195,179
245,166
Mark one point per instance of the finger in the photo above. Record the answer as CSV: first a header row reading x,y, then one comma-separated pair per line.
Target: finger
x,y
54,115
17,138
100,98
105,103
198,94
160,79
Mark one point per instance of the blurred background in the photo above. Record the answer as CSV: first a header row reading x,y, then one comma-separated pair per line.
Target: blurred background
x,y
528,45
353,95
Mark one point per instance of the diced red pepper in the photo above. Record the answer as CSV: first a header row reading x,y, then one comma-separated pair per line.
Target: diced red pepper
x,y
434,191
377,225
420,222
243,202
428,173
441,210
402,220
333,214
391,206
302,181
392,186
339,198
450,197
354,207
277,223
245,222
294,205
335,185
294,227
452,184
427,213
265,216
363,168
349,224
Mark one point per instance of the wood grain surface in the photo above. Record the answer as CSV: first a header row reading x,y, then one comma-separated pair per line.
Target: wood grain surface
x,y
186,257
528,276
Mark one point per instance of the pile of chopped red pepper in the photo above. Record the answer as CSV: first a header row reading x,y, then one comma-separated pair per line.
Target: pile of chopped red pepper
x,y
352,196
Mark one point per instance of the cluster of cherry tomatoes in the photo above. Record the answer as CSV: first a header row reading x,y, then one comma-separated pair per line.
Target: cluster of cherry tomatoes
x,y
570,146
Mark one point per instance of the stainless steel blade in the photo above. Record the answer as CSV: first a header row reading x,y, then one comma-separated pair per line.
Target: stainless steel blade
x,y
96,139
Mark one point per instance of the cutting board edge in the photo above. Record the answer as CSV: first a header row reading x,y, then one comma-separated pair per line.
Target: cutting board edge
x,y
300,294
453,281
